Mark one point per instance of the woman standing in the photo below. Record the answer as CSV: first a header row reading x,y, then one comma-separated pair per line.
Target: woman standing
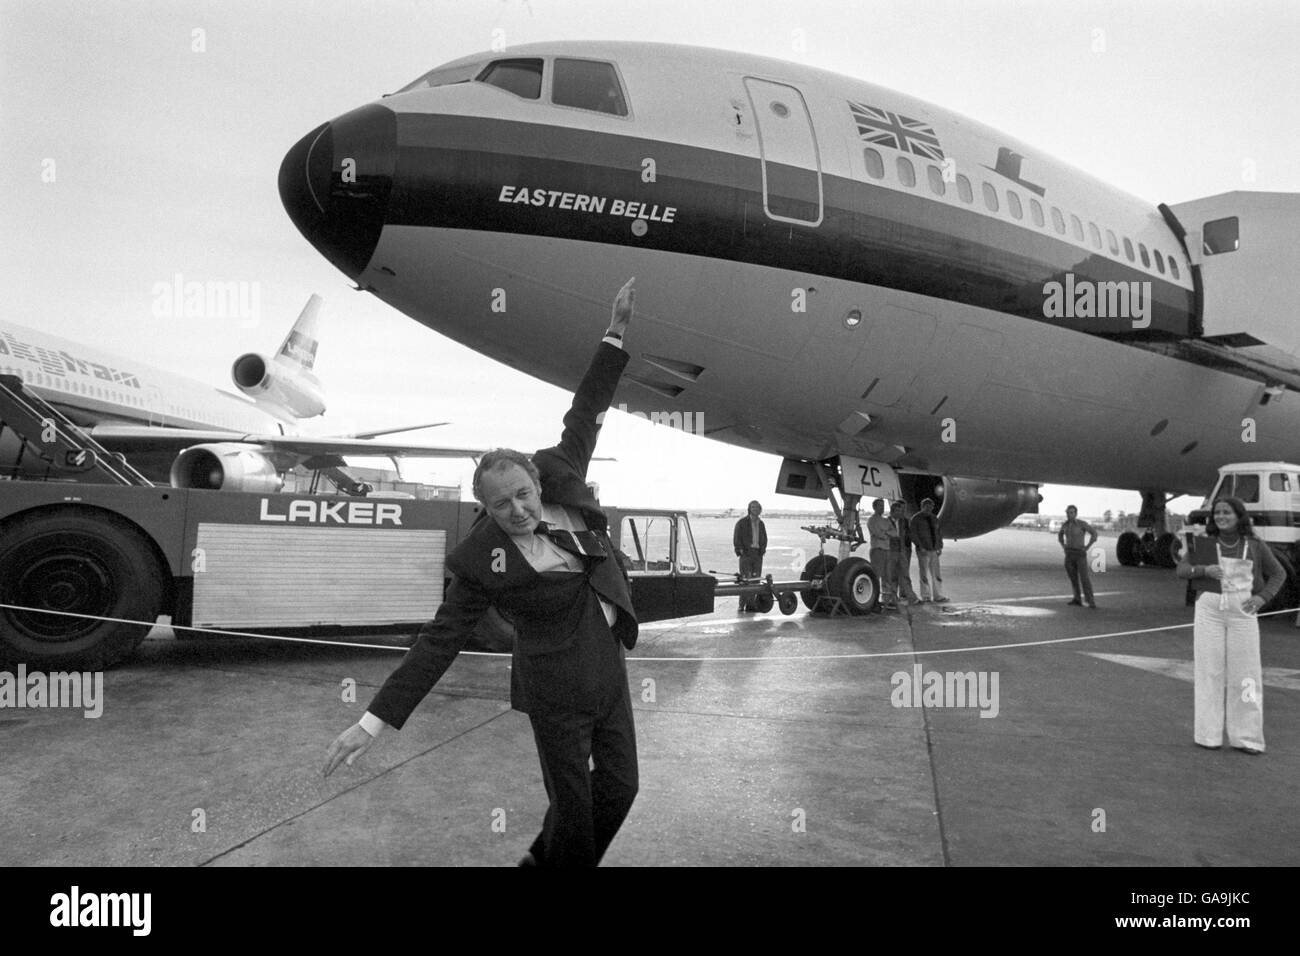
x,y
1235,574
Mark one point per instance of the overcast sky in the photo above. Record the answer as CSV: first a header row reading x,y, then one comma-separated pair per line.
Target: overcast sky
x,y
163,160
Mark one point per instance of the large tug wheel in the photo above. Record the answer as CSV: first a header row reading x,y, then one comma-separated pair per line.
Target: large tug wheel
x,y
87,564
1129,549
788,602
818,567
856,584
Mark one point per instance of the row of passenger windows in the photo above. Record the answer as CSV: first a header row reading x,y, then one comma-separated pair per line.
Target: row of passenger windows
x,y
594,85
123,397
907,176
580,84
72,385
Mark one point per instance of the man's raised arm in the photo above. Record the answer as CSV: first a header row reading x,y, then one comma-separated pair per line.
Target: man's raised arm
x,y
596,390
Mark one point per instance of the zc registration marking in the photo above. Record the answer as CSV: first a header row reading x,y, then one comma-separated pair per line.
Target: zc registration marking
x,y
581,202
336,512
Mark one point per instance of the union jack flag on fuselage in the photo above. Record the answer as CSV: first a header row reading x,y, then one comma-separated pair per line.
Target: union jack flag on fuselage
x,y
884,128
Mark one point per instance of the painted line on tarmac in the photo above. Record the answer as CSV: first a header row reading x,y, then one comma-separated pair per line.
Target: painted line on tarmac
x,y
1043,597
721,621
949,650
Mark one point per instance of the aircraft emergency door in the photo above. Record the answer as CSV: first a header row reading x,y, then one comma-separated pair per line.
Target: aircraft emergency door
x,y
154,400
792,175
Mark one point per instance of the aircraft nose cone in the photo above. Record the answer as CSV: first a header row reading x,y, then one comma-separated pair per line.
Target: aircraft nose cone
x,y
336,181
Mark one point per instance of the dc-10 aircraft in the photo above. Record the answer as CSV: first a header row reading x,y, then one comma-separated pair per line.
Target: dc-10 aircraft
x,y
886,294
179,430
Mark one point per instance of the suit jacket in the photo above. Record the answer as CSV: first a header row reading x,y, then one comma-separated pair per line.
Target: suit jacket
x,y
742,536
904,535
564,657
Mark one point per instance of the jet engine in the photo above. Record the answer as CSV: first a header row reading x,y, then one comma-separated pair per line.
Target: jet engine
x,y
967,507
227,466
296,394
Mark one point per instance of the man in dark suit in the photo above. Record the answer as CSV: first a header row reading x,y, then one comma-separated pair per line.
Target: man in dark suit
x,y
749,540
545,561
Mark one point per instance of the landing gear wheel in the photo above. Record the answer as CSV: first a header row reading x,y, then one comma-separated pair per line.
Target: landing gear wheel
x,y
762,602
1129,549
1167,550
1147,548
787,601
818,567
78,563
856,584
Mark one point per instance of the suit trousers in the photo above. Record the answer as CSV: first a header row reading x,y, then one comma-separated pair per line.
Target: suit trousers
x,y
589,766
900,575
1226,649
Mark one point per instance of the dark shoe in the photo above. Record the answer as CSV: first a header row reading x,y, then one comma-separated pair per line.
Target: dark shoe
x,y
1076,602
1249,750
1093,605
1209,746
941,600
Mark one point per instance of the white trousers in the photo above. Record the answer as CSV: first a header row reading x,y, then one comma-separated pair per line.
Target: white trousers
x,y
1226,648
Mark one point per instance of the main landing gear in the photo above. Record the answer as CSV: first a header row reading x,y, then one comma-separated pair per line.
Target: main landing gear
x,y
1156,546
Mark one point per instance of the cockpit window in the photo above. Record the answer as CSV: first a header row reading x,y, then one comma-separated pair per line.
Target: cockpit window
x,y
444,76
520,77
587,85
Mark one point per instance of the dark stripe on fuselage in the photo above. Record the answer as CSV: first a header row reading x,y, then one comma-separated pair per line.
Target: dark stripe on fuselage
x,y
1260,519
451,169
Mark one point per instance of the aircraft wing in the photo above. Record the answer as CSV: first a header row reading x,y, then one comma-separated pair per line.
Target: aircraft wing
x,y
130,439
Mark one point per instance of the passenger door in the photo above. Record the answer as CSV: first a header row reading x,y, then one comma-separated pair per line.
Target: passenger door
x,y
792,177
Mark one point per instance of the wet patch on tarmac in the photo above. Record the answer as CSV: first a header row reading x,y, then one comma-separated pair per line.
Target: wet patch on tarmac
x,y
960,614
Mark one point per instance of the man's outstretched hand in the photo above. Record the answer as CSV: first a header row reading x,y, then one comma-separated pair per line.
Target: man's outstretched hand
x,y
623,306
347,746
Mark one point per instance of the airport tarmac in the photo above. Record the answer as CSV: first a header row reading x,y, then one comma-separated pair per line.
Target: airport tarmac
x,y
763,740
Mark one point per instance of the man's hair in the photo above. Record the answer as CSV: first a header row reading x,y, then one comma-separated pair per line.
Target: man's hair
x,y
497,459
880,502
1068,507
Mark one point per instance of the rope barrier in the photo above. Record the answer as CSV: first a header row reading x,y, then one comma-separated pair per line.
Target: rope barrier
x,y
675,660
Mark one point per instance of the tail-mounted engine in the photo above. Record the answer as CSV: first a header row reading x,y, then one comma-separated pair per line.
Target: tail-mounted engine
x,y
288,392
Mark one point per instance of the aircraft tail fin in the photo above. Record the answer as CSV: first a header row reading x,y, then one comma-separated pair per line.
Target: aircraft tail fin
x,y
299,346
